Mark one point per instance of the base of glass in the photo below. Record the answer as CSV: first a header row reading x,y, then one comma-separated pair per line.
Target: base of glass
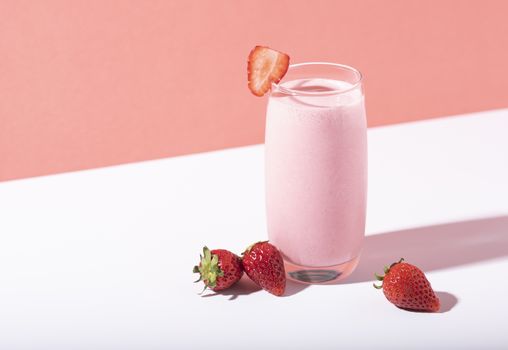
x,y
320,275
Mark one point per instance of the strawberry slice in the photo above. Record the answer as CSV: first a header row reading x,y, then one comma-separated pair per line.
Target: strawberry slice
x,y
265,66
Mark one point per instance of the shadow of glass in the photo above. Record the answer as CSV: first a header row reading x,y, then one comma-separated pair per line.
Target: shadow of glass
x,y
434,247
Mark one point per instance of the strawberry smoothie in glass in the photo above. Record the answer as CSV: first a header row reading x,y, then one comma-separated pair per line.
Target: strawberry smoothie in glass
x,y
316,170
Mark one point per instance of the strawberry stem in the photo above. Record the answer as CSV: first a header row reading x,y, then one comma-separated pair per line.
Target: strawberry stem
x,y
203,290
208,268
386,270
395,263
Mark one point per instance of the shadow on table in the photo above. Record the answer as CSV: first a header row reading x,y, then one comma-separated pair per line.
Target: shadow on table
x,y
294,287
434,247
430,248
448,301
245,287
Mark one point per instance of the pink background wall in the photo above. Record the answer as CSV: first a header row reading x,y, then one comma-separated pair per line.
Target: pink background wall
x,y
92,83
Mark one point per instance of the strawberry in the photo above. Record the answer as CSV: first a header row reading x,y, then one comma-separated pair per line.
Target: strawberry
x,y
218,269
265,66
263,263
406,286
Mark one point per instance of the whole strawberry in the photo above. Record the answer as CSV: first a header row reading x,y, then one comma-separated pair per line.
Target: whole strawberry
x,y
406,286
218,269
263,263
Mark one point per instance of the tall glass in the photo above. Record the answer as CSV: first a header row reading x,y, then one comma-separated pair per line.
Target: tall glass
x,y
316,170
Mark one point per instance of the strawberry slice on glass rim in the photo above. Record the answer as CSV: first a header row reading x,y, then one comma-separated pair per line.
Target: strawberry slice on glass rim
x,y
265,66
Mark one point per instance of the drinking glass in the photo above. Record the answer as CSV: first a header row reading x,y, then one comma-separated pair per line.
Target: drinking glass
x,y
316,170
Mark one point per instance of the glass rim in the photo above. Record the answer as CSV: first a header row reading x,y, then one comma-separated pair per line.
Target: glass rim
x,y
296,92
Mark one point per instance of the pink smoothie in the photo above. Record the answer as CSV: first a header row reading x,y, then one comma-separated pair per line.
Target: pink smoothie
x,y
316,173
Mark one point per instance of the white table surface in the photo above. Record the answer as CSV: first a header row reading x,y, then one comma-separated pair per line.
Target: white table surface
x,y
102,259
